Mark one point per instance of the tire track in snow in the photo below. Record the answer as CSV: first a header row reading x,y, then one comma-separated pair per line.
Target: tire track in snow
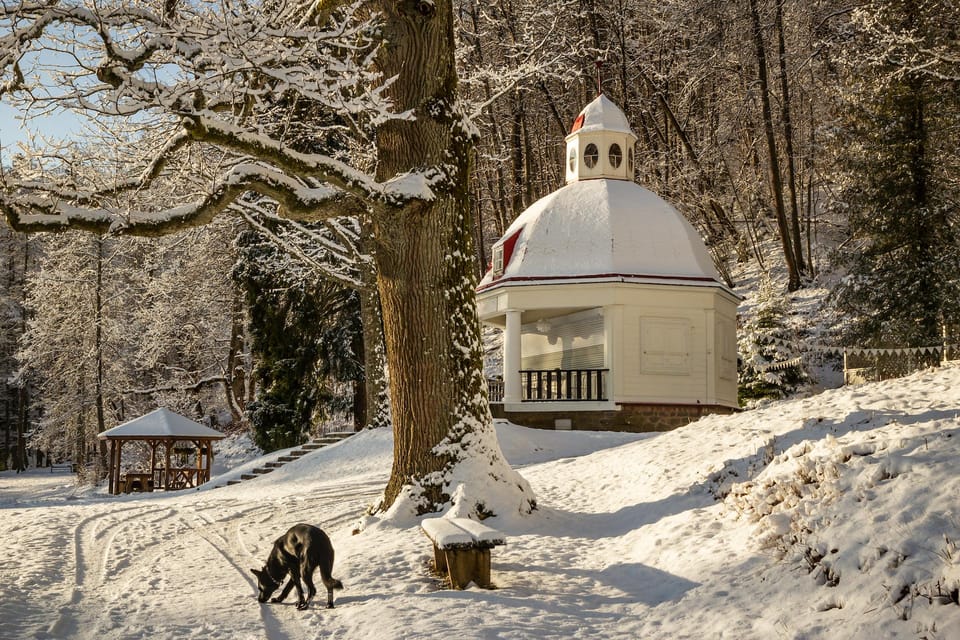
x,y
87,563
139,561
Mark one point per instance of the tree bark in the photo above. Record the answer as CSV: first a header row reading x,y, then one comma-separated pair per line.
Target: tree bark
x,y
788,139
20,450
237,377
102,463
776,182
441,417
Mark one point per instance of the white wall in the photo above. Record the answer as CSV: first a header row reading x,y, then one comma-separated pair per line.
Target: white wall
x,y
670,343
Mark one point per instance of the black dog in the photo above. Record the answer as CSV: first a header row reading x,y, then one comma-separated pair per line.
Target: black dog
x,y
298,552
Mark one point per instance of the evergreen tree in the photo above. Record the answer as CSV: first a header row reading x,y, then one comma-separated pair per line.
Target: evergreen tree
x,y
770,367
303,333
897,164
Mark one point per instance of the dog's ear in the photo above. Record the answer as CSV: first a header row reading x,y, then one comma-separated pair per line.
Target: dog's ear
x,y
256,573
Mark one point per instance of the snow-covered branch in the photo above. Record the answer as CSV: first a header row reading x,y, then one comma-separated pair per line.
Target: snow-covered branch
x,y
335,262
263,85
36,207
200,384
905,49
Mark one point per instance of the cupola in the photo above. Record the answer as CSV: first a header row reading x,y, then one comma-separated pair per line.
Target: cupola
x,y
600,144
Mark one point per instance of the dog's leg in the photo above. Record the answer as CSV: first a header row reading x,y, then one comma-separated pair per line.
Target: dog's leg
x,y
284,593
308,579
295,579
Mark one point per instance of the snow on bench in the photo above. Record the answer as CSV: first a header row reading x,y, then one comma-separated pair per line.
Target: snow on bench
x,y
461,549
62,466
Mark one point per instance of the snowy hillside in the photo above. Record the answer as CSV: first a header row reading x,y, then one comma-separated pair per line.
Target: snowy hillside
x,y
833,516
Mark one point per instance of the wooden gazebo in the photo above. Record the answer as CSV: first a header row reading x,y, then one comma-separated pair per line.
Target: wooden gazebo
x,y
171,434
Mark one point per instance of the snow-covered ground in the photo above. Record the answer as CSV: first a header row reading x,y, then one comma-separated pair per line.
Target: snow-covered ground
x,y
834,516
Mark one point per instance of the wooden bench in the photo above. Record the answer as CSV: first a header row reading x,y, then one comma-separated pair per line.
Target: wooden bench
x,y
461,549
63,466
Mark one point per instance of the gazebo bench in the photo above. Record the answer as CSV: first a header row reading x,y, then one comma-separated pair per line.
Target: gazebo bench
x,y
461,549
63,466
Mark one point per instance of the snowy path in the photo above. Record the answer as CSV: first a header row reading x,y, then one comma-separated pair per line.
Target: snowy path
x,y
89,572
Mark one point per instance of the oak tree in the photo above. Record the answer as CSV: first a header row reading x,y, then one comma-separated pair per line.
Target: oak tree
x,y
231,76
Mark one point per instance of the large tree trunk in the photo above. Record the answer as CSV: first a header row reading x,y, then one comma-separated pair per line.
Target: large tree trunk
x,y
445,448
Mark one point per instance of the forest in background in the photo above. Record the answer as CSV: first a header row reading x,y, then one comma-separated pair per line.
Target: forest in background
x,y
794,121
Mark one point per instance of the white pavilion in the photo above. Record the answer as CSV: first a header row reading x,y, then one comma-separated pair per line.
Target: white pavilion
x,y
614,316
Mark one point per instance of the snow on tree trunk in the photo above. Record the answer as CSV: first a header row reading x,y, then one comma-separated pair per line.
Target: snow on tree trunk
x,y
445,452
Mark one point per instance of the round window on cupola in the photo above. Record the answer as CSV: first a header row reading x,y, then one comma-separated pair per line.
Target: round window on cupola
x,y
572,159
615,155
591,155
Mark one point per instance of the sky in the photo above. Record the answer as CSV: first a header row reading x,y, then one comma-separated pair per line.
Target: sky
x,y
830,516
60,126
10,132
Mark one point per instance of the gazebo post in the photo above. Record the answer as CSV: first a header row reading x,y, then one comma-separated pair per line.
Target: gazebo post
x,y
511,357
116,473
166,471
153,459
199,445
209,460
111,466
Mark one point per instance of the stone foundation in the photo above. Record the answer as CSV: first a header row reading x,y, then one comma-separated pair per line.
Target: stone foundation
x,y
635,418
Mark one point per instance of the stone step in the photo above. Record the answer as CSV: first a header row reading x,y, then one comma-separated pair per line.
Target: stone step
x,y
287,458
273,465
313,446
247,476
230,482
262,470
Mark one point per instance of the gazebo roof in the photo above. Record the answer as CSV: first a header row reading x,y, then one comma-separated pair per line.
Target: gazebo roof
x,y
161,424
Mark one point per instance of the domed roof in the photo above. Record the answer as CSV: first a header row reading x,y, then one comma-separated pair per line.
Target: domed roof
x,y
602,229
601,114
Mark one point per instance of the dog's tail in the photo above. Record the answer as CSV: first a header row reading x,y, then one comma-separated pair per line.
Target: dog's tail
x,y
332,583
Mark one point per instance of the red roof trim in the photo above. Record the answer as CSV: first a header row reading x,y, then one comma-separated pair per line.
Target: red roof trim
x,y
597,276
577,123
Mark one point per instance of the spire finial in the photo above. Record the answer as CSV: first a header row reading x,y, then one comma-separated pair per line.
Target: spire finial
x,y
599,64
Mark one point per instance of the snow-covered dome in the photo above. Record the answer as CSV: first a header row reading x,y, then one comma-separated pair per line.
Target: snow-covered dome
x,y
602,225
601,115
600,229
